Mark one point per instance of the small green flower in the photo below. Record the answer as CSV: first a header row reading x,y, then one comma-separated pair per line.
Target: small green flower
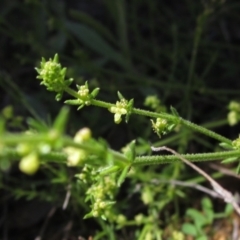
x,y
160,126
84,96
119,109
83,91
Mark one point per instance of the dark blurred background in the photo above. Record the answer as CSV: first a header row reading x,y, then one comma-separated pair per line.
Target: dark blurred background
x,y
187,53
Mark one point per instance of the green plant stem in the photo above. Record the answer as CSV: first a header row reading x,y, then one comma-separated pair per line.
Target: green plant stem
x,y
72,92
184,122
13,139
205,131
215,124
199,157
166,116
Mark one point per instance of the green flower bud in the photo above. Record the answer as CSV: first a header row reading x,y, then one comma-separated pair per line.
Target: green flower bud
x,y
82,135
121,219
23,149
139,219
233,118
95,213
234,106
29,164
75,156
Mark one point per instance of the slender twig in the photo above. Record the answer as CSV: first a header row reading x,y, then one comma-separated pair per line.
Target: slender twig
x,y
67,198
45,224
188,184
221,192
235,231
224,170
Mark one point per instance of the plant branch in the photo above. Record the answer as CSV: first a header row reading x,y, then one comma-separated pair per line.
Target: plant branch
x,y
198,157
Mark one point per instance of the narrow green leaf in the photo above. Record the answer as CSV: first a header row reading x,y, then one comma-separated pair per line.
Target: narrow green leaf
x,y
226,145
120,96
107,170
130,151
59,96
174,111
230,160
95,92
72,102
129,110
122,176
61,120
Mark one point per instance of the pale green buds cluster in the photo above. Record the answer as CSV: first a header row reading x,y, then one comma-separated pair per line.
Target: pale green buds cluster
x,y
234,114
53,75
119,109
236,143
78,156
83,91
101,191
84,96
122,107
102,195
161,126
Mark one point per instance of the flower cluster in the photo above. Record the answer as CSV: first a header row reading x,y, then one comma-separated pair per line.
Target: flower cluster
x,y
162,126
53,75
101,192
84,97
122,107
119,109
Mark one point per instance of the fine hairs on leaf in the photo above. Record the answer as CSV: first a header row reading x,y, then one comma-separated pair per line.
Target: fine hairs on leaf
x,y
221,192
